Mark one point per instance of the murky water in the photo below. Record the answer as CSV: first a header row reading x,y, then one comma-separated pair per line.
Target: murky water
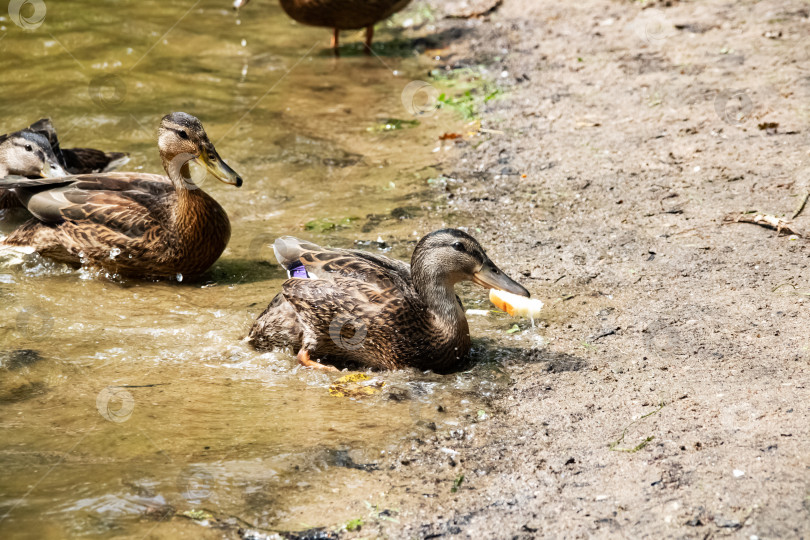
x,y
121,400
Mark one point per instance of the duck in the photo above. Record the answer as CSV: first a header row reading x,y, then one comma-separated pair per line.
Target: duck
x,y
343,307
340,15
29,154
34,152
132,224
79,160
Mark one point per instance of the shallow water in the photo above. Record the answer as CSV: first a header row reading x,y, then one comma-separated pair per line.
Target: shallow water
x,y
120,401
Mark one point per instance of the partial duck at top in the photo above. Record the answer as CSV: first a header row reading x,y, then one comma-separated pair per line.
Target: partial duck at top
x,y
34,152
347,307
340,14
132,224
79,160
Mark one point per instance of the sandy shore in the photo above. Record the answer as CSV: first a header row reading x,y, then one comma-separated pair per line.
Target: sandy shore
x,y
671,397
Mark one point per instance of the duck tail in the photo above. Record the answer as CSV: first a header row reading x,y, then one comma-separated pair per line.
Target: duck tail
x,y
288,252
117,159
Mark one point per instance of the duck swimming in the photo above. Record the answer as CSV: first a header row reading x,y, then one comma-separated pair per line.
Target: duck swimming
x,y
340,14
26,153
79,160
34,152
132,224
367,309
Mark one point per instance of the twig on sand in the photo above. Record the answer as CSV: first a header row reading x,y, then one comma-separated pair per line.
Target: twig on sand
x,y
152,385
603,334
801,206
790,285
765,220
640,445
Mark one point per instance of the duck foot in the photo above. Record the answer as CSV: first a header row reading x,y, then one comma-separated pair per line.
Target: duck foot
x,y
336,42
369,38
306,361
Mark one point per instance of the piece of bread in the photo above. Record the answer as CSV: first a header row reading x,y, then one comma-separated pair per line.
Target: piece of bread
x,y
517,306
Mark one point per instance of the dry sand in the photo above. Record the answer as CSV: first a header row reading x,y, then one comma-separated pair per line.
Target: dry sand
x,y
637,127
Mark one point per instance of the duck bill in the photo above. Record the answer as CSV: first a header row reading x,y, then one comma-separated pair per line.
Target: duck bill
x,y
53,170
492,277
237,4
211,160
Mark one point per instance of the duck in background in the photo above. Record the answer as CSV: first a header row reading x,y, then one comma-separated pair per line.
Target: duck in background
x,y
354,307
79,160
35,152
132,224
339,15
27,153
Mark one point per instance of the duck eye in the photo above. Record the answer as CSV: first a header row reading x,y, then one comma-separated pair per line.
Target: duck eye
x,y
183,135
458,246
29,148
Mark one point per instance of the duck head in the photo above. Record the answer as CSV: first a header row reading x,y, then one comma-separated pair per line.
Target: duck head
x,y
27,153
451,256
181,138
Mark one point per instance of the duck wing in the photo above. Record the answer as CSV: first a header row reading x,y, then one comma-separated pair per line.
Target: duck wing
x,y
123,203
348,319
330,263
90,160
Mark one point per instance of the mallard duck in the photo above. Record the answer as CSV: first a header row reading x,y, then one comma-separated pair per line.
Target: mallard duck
x,y
340,14
26,153
34,152
79,160
133,224
352,307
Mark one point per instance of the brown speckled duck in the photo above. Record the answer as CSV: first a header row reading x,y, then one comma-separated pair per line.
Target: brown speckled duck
x,y
132,224
340,14
352,307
